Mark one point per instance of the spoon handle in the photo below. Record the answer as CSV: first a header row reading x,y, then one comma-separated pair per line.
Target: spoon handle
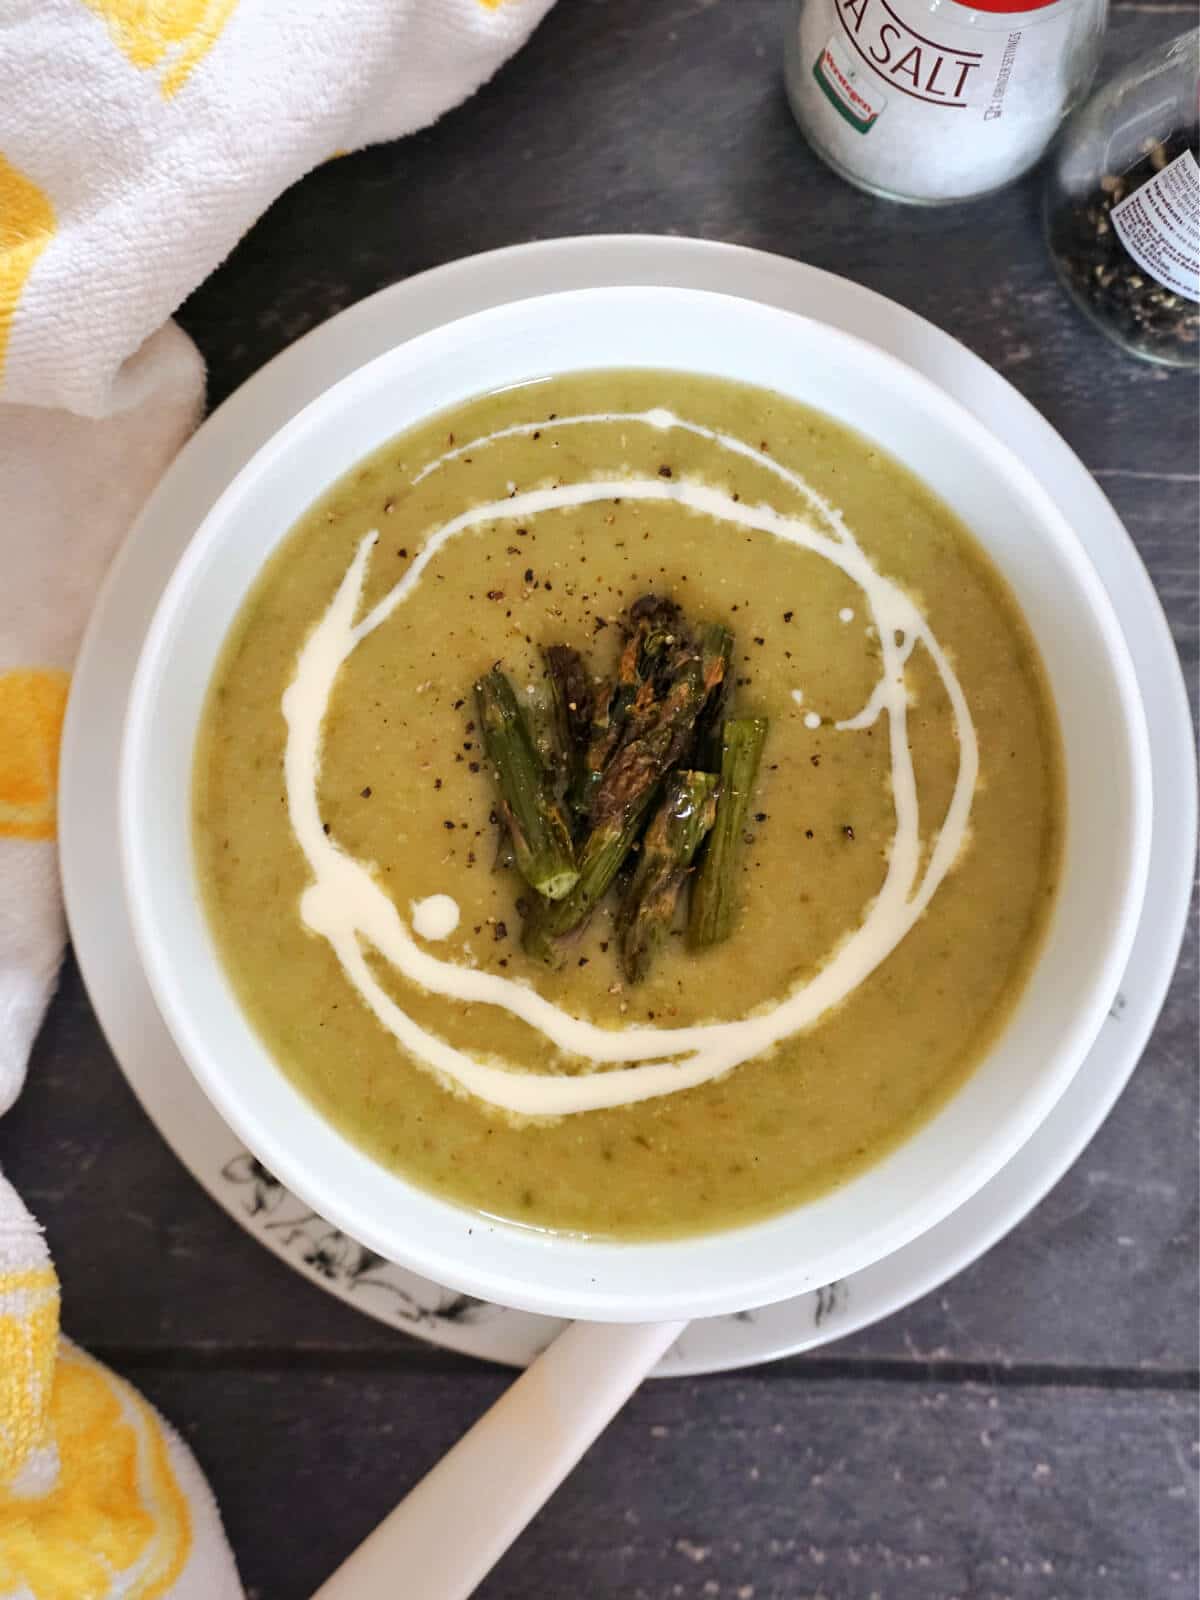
x,y
447,1533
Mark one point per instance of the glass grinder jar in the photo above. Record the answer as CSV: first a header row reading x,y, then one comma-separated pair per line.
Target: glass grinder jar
x,y
933,101
1122,205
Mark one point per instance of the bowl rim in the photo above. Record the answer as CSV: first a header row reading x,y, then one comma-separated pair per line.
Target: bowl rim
x,y
466,1272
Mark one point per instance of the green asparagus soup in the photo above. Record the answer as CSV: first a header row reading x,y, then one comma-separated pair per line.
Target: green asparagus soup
x,y
628,803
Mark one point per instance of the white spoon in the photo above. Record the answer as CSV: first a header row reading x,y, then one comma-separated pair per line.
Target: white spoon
x,y
446,1534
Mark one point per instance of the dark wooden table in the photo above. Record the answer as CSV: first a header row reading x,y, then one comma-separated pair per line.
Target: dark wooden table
x,y
1029,1431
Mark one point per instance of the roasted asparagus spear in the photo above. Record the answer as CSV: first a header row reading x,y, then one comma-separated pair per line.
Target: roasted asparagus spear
x,y
682,819
655,635
714,640
714,889
572,696
536,823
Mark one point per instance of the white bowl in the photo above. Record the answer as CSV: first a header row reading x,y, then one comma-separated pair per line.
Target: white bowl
x,y
1107,776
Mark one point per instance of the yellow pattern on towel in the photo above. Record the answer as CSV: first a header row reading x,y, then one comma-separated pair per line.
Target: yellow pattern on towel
x,y
26,228
28,1341
98,1497
174,37
114,1520
32,704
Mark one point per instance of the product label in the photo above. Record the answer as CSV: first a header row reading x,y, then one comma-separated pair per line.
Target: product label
x,y
969,96
849,90
940,60
912,62
1159,224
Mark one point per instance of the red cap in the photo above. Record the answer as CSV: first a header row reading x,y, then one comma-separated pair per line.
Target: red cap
x,y
1004,7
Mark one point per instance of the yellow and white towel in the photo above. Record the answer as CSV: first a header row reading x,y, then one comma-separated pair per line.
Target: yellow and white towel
x,y
139,139
98,1496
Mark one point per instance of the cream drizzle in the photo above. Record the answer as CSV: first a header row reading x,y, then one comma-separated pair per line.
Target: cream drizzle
x,y
435,917
347,906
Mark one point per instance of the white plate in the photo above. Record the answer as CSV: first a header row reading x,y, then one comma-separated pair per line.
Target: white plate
x,y
88,801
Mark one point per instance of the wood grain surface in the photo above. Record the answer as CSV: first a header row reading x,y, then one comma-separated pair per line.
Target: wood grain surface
x,y
1027,1432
